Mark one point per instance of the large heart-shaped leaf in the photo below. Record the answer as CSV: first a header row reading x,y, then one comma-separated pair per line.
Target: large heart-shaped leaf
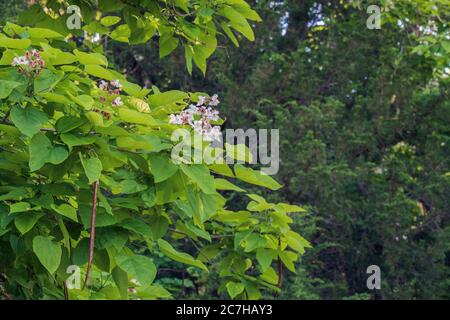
x,y
28,120
92,167
42,152
140,267
48,252
6,87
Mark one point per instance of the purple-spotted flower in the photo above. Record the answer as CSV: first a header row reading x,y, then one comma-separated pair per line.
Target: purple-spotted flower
x,y
199,117
31,63
117,102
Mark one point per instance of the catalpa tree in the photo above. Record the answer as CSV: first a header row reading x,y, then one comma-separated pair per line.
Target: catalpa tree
x,y
88,187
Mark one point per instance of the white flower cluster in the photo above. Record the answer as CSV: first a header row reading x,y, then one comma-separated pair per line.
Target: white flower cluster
x,y
29,63
113,88
117,102
199,117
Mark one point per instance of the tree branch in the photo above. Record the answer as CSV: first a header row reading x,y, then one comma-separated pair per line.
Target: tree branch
x,y
92,235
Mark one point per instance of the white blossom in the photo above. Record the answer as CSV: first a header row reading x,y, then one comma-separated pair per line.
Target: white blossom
x,y
103,85
117,102
212,114
20,61
199,117
214,134
116,84
175,119
214,101
201,100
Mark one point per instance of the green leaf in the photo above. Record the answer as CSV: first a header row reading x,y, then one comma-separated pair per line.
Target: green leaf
x,y
143,142
270,276
90,58
26,221
183,4
48,252
72,140
28,120
167,43
288,208
229,33
166,98
222,184
264,257
19,207
244,8
99,71
446,45
182,257
8,56
67,211
159,226
96,119
69,123
121,279
200,58
92,168
138,226
255,177
134,116
6,87
9,130
297,242
238,22
188,54
103,219
121,33
54,97
111,237
45,81
42,152
161,167
64,58
199,174
139,267
254,241
222,169
41,33
84,101
206,12
14,43
288,259
110,21
15,194
234,289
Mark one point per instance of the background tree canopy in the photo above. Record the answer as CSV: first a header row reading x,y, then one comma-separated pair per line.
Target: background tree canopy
x,y
364,132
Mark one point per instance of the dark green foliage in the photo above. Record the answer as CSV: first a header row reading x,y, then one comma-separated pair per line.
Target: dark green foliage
x,y
364,135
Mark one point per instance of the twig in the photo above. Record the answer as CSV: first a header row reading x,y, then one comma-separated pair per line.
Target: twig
x,y
92,235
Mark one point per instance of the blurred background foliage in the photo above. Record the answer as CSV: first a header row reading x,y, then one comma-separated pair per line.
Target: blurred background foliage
x,y
364,137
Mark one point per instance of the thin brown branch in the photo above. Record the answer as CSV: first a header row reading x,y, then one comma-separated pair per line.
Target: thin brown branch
x,y
92,235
